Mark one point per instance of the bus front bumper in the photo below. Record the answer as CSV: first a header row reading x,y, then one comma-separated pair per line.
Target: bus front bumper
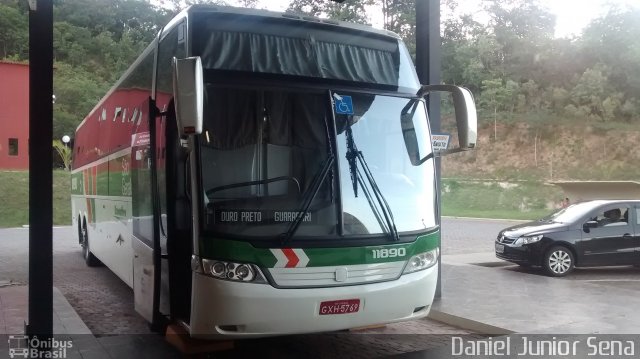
x,y
226,310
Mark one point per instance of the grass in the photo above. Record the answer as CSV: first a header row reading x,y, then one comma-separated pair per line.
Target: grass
x,y
494,199
14,192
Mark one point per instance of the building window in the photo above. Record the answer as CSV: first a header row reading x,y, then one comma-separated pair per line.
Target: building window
x,y
13,147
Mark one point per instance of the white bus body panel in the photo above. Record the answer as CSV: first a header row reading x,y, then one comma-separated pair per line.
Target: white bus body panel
x,y
110,235
259,310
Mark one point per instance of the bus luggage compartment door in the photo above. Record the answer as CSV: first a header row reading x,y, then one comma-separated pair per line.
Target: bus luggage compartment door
x,y
143,278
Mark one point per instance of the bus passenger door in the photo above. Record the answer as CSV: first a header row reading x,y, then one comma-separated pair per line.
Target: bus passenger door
x,y
144,228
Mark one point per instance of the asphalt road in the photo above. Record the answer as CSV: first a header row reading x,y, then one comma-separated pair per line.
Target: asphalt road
x,y
460,236
465,235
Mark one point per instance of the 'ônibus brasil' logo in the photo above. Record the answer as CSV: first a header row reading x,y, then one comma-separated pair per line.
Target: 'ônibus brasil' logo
x,y
23,346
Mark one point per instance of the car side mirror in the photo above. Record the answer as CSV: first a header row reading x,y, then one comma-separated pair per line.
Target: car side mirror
x,y
188,94
588,225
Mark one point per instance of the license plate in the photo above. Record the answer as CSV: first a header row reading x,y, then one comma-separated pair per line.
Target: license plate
x,y
344,306
499,248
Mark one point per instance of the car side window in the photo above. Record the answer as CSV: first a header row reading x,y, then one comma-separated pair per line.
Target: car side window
x,y
618,216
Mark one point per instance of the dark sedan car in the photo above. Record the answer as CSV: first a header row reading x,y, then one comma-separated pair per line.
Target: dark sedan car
x,y
586,234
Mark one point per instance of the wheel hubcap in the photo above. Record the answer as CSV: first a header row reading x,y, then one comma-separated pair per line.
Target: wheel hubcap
x,y
559,262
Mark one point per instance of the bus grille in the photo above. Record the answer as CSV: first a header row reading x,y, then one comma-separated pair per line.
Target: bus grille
x,y
336,275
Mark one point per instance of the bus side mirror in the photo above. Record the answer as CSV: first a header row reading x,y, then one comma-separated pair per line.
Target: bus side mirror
x,y
465,112
188,94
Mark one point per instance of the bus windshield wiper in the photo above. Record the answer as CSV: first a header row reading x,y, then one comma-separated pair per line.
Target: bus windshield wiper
x,y
353,157
309,196
314,188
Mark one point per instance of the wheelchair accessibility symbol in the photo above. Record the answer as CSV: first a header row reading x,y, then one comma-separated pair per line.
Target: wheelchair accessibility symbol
x,y
344,104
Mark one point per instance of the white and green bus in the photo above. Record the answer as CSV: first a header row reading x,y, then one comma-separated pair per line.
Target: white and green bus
x,y
256,173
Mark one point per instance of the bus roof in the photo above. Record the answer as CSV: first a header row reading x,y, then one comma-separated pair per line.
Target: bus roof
x,y
200,8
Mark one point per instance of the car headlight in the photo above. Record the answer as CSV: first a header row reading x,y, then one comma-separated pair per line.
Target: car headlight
x,y
527,240
239,272
422,261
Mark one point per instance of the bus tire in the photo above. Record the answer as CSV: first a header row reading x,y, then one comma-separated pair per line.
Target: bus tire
x,y
89,258
80,235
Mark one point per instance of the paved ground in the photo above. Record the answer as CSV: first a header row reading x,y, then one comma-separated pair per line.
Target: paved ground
x,y
102,300
105,304
464,236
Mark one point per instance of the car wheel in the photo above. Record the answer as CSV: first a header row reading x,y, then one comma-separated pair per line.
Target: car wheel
x,y
558,261
89,258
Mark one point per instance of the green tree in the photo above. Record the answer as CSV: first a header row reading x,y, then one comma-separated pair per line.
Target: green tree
x,y
115,17
14,34
77,91
614,40
349,10
522,28
399,16
493,97
248,3
591,91
64,152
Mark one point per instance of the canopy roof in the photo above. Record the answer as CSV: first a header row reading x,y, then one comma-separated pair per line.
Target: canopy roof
x,y
578,191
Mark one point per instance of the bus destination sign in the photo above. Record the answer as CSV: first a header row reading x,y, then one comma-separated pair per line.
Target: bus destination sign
x,y
261,216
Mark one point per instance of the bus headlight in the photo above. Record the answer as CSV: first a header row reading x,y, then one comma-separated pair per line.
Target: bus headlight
x,y
239,272
422,261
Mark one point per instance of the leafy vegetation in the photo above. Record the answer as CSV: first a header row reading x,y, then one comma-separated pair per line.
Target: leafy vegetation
x,y
549,107
513,64
64,151
14,191
496,199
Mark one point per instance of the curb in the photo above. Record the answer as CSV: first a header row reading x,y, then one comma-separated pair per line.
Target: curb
x,y
490,219
67,315
468,324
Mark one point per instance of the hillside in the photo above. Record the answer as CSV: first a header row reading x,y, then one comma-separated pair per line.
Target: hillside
x,y
566,151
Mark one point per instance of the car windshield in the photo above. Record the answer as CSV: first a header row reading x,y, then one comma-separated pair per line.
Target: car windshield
x,y
569,214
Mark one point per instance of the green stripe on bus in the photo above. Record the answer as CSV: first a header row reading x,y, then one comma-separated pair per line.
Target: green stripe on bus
x,y
113,178
77,184
102,179
231,250
119,177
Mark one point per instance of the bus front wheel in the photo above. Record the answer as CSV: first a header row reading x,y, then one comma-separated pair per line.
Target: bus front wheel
x,y
89,258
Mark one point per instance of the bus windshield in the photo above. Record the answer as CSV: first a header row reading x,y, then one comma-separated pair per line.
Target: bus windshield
x,y
389,144
267,157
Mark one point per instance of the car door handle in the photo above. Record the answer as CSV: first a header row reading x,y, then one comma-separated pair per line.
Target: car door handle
x,y
626,236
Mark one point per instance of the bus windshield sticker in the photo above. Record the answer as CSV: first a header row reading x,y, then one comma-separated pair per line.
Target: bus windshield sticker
x,y
344,104
440,141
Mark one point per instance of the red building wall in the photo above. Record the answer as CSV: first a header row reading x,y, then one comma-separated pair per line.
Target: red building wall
x,y
14,115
